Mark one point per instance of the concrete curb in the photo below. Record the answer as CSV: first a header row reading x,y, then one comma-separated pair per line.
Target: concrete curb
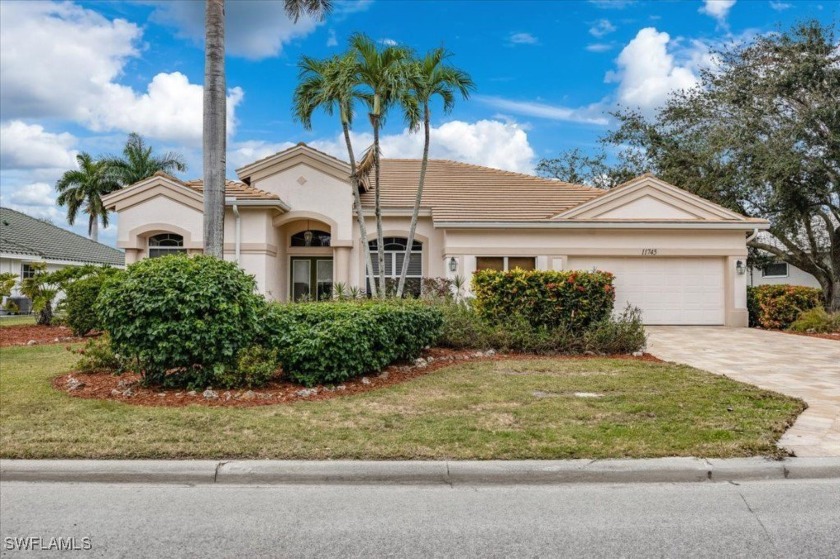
x,y
498,472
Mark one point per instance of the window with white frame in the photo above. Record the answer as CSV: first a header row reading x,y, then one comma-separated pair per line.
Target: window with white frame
x,y
394,258
27,271
775,270
166,243
505,263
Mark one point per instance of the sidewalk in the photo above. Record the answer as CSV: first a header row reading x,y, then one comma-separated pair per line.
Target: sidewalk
x,y
257,472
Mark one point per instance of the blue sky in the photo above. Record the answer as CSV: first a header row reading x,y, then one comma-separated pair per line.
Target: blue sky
x,y
79,76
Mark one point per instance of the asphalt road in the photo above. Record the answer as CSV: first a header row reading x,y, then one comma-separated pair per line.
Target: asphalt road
x,y
753,519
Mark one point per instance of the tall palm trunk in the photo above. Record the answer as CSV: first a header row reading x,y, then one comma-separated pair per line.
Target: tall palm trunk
x,y
93,228
357,199
215,112
418,198
380,244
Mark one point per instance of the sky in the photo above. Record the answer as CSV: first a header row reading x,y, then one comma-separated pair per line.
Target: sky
x,y
79,76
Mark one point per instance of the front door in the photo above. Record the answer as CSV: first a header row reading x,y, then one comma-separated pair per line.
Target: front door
x,y
312,278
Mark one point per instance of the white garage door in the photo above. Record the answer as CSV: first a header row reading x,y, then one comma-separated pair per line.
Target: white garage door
x,y
668,290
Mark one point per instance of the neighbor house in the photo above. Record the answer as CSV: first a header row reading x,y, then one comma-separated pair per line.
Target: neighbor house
x,y
290,222
25,241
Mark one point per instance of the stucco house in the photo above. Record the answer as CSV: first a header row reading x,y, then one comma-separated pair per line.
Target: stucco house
x,y
290,222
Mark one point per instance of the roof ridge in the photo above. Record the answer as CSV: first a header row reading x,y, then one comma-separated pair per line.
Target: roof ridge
x,y
297,145
60,229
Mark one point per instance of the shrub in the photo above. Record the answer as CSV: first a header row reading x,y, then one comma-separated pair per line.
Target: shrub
x,y
97,355
778,306
464,328
11,307
817,320
183,319
544,298
255,366
330,342
80,300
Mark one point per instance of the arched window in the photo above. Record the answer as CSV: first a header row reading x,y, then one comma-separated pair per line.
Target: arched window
x,y
394,257
166,243
311,238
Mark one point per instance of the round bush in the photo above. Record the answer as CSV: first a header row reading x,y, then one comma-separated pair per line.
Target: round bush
x,y
182,318
80,301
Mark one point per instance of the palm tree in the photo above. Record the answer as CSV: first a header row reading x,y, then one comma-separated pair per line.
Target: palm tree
x,y
383,73
138,163
332,85
430,77
83,188
215,112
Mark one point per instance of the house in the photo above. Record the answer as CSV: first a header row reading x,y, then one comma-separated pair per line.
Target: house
x,y
780,272
25,240
290,222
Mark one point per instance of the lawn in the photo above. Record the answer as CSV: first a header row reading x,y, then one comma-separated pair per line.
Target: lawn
x,y
17,320
508,409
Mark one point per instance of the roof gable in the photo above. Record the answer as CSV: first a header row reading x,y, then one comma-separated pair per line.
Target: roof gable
x,y
300,154
647,198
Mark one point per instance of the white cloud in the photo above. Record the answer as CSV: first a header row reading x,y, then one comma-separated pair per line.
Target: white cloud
x,y
332,40
599,47
717,9
64,61
501,145
29,146
588,115
388,42
171,109
254,29
601,28
648,72
36,194
522,39
780,6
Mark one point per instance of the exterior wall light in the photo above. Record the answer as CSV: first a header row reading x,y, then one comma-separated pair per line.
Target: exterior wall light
x,y
740,268
453,265
307,235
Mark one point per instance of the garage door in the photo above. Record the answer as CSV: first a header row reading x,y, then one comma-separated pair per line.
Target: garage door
x,y
668,290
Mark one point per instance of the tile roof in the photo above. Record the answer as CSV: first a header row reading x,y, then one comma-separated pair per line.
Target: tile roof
x,y
234,189
25,235
457,191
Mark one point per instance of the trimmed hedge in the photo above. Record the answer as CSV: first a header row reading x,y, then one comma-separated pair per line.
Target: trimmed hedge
x,y
329,342
80,300
549,299
778,306
182,319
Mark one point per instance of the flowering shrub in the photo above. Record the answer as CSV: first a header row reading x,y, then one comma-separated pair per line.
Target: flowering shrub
x,y
548,299
778,306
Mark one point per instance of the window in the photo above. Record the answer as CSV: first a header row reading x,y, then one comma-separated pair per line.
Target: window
x,y
394,258
504,263
775,270
166,243
26,271
316,239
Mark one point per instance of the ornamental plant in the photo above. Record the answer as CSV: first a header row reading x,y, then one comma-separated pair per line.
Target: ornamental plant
x,y
181,319
778,306
550,299
80,300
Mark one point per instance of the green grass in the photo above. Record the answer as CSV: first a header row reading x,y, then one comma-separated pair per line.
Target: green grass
x,y
18,320
478,410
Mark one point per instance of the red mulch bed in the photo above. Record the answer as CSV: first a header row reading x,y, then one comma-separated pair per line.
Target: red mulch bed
x,y
32,334
126,388
835,336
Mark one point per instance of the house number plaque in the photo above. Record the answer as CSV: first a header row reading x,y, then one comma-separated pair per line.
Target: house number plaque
x,y
648,252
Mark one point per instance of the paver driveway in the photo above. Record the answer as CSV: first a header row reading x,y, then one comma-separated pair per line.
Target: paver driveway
x,y
807,368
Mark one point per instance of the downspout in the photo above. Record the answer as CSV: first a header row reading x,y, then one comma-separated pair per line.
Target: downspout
x,y
237,229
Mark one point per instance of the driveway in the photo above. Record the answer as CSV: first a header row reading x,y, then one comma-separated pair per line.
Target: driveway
x,y
800,366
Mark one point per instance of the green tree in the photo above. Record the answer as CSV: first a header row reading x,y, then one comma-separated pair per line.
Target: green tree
x,y
83,188
428,78
382,74
41,290
333,86
578,167
138,162
215,112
